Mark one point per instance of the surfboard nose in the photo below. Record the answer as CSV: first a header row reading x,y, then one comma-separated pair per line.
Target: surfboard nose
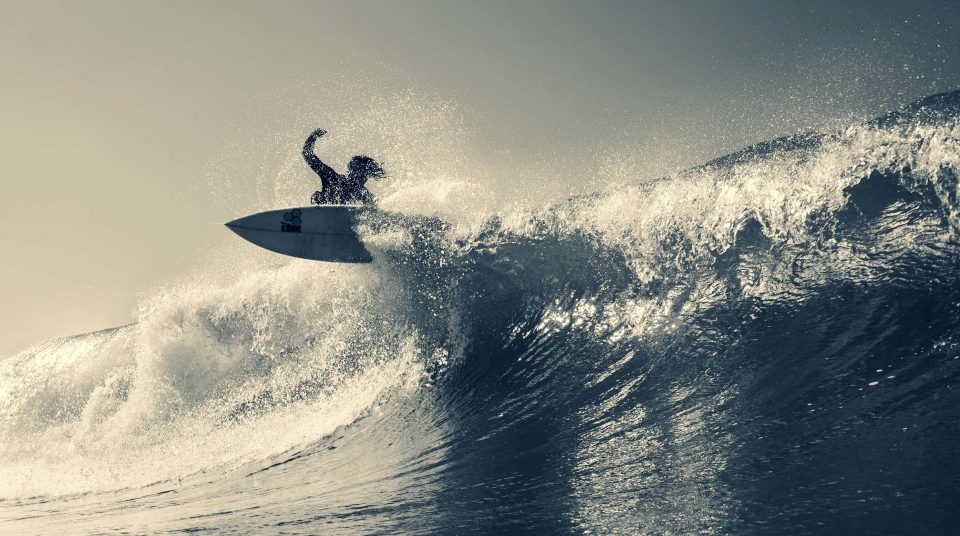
x,y
233,224
240,227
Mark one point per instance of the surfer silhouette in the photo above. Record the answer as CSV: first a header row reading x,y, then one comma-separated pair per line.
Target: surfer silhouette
x,y
339,189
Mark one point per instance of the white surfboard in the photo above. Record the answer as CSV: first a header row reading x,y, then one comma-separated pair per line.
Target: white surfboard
x,y
319,233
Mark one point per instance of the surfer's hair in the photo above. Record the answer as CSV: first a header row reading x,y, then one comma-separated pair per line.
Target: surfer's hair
x,y
364,166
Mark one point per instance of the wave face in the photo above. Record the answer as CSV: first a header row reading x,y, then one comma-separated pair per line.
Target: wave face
x,y
767,343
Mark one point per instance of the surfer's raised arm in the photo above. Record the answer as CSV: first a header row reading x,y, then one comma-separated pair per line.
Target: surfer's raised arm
x,y
326,173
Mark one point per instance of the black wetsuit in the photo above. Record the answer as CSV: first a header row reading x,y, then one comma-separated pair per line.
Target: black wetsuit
x,y
337,189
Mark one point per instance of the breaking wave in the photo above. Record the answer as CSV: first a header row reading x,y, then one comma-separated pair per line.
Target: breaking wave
x,y
768,342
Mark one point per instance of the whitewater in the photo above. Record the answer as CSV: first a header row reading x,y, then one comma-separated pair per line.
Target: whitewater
x,y
765,343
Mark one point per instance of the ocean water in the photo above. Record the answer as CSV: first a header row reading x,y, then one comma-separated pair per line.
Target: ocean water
x,y
767,343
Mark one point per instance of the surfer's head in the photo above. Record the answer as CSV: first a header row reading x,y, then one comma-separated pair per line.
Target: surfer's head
x,y
363,167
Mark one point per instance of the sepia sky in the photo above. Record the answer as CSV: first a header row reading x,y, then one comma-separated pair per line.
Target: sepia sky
x,y
113,112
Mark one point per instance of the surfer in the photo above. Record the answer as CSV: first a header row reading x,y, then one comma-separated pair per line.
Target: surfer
x,y
339,189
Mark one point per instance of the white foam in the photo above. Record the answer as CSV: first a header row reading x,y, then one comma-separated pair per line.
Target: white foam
x,y
210,377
